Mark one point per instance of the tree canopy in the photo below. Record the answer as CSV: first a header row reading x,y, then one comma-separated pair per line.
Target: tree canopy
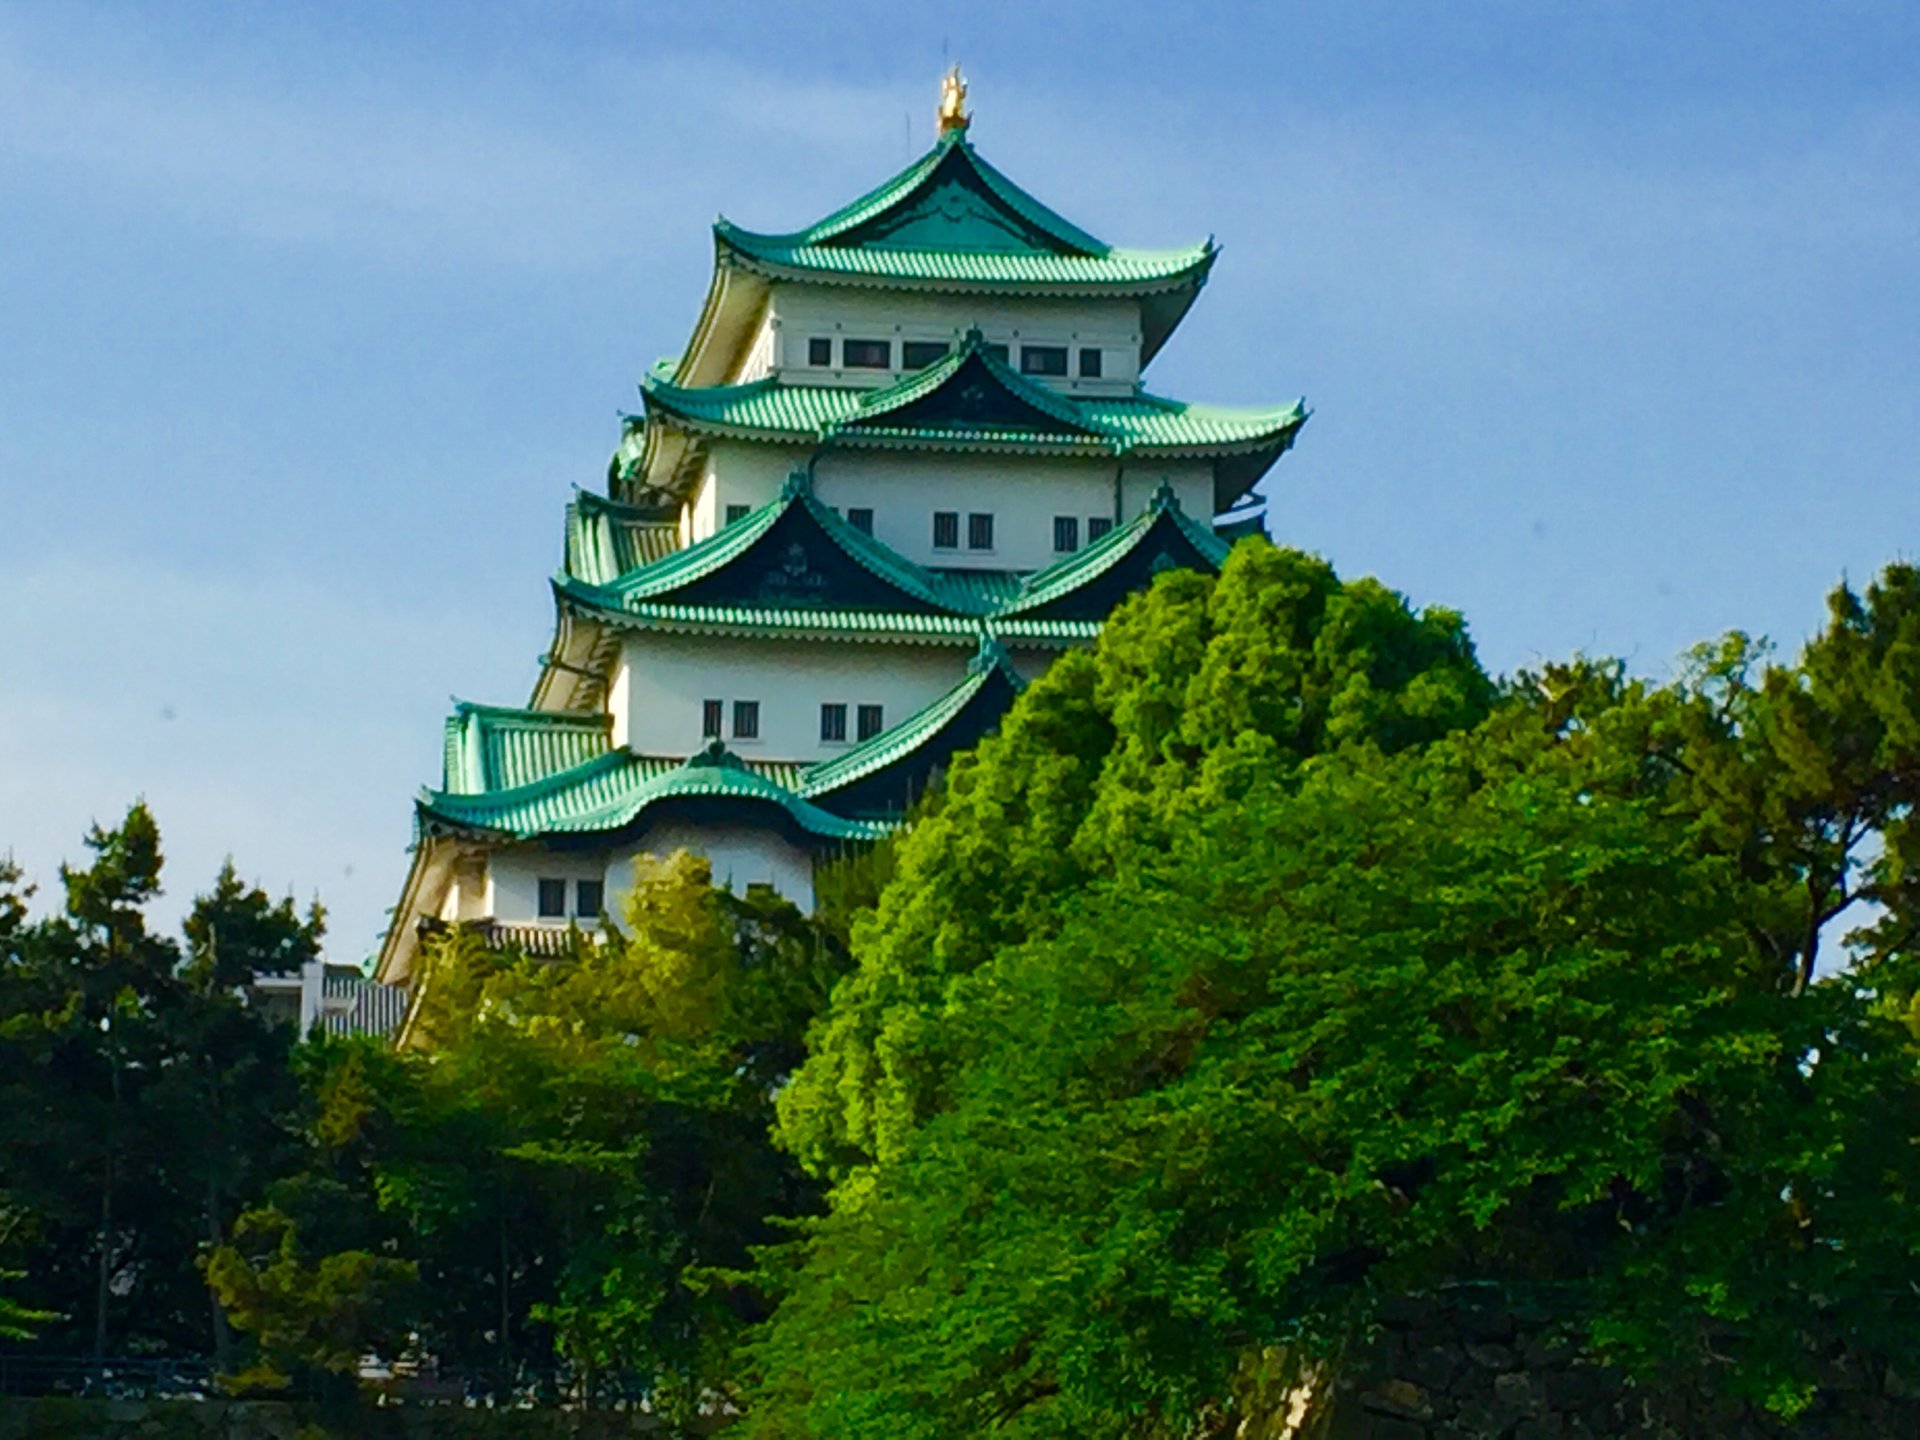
x,y
1271,964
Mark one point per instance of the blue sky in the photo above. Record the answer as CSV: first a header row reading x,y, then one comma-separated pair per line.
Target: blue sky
x,y
311,315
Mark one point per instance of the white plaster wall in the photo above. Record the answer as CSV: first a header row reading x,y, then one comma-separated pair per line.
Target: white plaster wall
x,y
666,678
799,312
1022,493
1192,482
513,876
757,359
619,695
740,855
740,472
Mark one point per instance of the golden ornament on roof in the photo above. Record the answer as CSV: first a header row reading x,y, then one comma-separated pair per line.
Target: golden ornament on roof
x,y
953,101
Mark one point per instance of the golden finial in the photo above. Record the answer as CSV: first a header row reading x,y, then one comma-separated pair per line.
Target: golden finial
x,y
953,101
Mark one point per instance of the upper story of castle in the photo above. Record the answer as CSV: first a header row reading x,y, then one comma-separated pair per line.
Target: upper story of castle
x,y
888,284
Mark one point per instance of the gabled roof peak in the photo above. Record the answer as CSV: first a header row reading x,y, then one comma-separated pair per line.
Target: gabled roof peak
x,y
716,754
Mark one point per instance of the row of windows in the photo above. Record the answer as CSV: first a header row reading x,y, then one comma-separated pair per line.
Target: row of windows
x,y
1048,360
870,720
589,898
1066,531
946,528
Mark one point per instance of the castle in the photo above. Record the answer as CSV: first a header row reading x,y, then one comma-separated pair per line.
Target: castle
x,y
906,458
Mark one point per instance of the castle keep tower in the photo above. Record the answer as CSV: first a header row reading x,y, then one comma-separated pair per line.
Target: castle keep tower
x,y
905,459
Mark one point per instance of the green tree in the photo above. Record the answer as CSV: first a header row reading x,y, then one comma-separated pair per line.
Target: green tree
x,y
1299,992
140,1098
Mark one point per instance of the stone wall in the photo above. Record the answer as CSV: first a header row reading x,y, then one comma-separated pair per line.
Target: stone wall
x,y
65,1419
1462,1365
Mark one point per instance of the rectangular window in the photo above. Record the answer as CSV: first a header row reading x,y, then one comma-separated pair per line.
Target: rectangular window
x,y
998,352
866,354
946,530
746,719
1066,533
738,512
871,723
820,351
1098,525
833,722
1089,364
589,899
919,354
1043,360
553,899
860,519
710,713
979,532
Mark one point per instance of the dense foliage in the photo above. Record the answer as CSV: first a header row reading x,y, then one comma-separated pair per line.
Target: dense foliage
x,y
1271,964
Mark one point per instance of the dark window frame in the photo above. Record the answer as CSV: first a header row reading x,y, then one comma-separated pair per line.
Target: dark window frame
x,y
855,354
1066,534
1048,362
589,890
820,352
860,517
833,722
869,721
746,719
550,898
737,513
947,523
919,354
1091,362
1098,526
979,530
713,719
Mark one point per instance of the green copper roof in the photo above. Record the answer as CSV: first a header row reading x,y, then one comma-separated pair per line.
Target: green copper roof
x,y
1078,571
606,539
953,220
944,406
989,667
615,791
721,584
492,747
886,579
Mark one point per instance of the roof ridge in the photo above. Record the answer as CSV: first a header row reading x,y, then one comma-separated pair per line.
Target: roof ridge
x,y
876,404
1085,566
482,709
904,186
633,798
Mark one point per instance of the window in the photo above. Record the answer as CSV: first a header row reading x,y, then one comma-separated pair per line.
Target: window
x,y
946,530
589,899
866,354
998,352
833,722
860,519
553,899
1066,533
819,351
1089,364
1098,525
710,713
1043,359
979,532
738,512
918,354
871,723
746,719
